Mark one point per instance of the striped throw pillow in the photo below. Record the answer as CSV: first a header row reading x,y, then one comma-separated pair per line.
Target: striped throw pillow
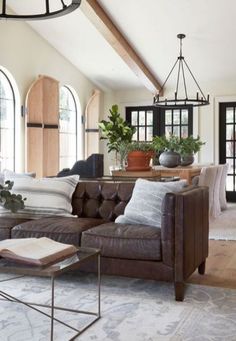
x,y
44,197
145,204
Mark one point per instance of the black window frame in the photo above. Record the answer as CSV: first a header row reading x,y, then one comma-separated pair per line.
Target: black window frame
x,y
159,118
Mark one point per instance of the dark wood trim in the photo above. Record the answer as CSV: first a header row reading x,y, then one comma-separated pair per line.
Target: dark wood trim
x,y
50,126
91,130
34,125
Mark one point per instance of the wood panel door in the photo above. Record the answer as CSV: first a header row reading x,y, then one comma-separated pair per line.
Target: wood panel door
x,y
42,132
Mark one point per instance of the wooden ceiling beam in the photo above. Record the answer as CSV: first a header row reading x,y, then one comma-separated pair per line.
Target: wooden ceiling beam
x,y
97,15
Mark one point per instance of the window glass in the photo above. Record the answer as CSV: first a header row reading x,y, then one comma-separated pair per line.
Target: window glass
x,y
142,119
7,123
229,115
134,118
176,116
168,117
180,125
68,128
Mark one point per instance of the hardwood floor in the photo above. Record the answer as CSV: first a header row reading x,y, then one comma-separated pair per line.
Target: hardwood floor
x,y
220,265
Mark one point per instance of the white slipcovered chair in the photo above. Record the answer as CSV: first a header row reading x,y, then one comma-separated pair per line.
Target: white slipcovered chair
x,y
215,178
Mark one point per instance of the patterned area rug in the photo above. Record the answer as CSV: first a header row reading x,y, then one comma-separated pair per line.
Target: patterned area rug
x,y
132,309
224,226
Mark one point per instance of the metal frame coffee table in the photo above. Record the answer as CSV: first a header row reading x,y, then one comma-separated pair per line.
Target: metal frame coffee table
x,y
53,271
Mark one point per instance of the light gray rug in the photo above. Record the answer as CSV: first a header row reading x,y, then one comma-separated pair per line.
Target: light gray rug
x,y
132,310
224,226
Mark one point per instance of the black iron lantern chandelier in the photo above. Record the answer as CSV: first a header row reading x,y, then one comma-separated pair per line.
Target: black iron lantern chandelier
x,y
181,101
47,13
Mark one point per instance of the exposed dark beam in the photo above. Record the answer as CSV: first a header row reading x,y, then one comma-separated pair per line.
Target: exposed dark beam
x,y
97,15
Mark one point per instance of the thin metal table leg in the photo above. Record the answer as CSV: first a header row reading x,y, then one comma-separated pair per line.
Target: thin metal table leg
x,y
99,285
52,309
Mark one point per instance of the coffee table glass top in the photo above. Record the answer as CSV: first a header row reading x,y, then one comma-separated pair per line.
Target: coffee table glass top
x,y
53,270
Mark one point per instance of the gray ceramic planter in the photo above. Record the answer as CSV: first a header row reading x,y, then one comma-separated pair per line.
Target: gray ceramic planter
x,y
186,160
169,159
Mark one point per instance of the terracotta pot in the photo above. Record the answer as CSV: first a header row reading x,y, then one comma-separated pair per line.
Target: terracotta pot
x,y
139,161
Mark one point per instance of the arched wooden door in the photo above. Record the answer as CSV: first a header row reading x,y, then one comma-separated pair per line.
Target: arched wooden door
x,y
42,132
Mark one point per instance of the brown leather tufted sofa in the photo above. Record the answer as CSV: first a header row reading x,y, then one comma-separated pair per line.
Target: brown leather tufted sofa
x,y
169,253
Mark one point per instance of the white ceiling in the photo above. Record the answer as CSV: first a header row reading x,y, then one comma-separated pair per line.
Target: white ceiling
x,y
151,27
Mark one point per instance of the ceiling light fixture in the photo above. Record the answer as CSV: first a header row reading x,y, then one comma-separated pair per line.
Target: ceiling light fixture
x,y
179,101
62,9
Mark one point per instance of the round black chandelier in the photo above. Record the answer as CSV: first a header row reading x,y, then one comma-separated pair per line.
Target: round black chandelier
x,y
179,101
48,13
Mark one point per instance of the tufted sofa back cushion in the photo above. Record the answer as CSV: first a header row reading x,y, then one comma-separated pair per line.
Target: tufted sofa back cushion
x,y
106,200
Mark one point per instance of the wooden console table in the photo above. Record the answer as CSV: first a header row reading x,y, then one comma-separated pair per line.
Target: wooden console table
x,y
187,173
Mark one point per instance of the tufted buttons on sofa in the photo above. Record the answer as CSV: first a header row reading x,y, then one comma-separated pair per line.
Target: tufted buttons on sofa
x,y
101,200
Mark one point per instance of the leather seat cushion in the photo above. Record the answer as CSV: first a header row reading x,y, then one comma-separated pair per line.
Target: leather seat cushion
x,y
64,230
6,224
139,242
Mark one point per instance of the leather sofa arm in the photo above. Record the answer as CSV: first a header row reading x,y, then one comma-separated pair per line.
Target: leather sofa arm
x,y
191,231
185,230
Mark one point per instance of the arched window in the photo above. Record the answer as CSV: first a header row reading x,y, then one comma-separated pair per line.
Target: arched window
x,y
68,128
7,123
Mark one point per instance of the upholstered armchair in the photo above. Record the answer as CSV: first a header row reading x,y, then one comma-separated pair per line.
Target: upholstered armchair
x,y
214,177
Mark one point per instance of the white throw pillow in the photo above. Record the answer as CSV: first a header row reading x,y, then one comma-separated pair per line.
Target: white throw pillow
x,y
10,175
44,197
145,204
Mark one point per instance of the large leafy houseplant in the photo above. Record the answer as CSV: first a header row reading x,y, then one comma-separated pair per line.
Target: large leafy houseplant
x,y
117,132
10,201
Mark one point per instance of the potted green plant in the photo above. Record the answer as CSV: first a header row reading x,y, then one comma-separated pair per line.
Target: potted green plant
x,y
117,132
189,146
10,201
139,156
168,149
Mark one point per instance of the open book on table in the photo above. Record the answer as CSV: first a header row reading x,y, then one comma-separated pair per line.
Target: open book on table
x,y
35,251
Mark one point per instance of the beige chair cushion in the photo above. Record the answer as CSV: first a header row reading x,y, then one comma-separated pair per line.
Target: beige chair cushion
x,y
216,209
210,176
222,190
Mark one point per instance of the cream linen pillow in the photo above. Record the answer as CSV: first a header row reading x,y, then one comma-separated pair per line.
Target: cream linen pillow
x,y
44,197
222,190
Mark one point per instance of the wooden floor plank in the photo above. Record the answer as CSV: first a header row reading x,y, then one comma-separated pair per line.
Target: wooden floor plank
x,y
220,265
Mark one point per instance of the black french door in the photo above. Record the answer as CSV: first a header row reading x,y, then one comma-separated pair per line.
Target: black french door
x,y
227,135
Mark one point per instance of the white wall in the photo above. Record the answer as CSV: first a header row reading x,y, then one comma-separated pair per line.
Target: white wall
x,y
26,55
